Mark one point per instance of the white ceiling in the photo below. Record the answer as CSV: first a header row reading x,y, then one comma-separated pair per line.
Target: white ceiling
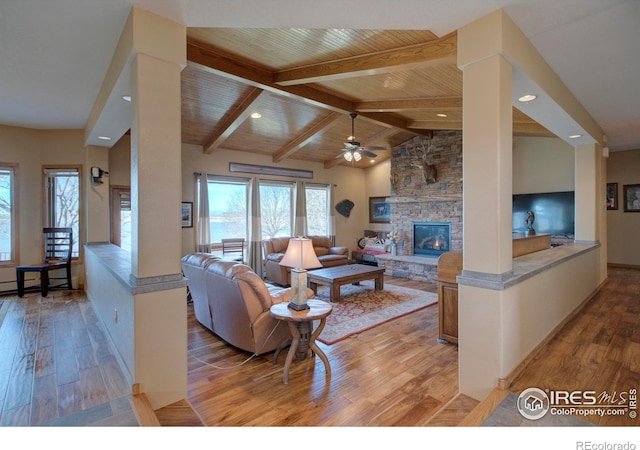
x,y
54,53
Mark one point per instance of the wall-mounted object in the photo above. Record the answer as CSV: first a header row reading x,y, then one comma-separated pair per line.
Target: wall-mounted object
x,y
631,197
186,214
612,196
344,207
269,170
96,175
379,210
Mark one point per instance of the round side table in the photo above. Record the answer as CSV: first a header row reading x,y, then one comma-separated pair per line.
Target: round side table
x,y
303,338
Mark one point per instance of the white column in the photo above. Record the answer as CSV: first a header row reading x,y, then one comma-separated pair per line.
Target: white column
x,y
160,308
156,182
487,167
587,184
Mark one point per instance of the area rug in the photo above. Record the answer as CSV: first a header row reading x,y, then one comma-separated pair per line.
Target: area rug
x,y
361,308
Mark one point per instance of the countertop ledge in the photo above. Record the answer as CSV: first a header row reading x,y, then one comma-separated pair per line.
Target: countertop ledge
x,y
526,266
118,262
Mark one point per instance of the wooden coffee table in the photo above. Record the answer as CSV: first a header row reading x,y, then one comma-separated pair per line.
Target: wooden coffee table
x,y
334,277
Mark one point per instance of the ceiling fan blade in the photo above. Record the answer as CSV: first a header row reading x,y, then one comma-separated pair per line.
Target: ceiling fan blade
x,y
375,147
368,154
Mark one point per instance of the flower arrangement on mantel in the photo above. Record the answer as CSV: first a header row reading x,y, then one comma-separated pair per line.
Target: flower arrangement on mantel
x,y
394,236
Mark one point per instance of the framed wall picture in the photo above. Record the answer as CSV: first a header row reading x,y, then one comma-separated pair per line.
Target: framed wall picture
x,y
379,210
187,214
612,195
631,197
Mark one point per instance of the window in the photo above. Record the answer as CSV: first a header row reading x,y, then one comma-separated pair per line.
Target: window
x,y
8,227
228,206
120,200
318,212
276,208
62,189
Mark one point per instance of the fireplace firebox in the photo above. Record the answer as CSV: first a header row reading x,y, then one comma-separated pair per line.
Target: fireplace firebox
x,y
431,238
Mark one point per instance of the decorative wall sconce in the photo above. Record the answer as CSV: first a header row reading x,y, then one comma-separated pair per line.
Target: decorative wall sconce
x,y
96,175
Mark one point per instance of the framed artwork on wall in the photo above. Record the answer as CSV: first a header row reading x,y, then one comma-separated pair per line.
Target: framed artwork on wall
x,y
187,214
379,210
631,197
612,195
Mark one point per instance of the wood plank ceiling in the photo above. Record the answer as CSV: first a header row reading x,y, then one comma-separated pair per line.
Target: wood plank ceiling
x,y
305,82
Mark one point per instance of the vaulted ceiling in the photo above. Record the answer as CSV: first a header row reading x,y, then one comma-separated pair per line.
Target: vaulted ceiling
x,y
305,82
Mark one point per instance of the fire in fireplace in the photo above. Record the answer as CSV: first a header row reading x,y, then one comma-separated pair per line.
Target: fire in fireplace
x,y
431,238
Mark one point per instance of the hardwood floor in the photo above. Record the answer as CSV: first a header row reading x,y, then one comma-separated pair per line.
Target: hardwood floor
x,y
56,369
599,350
393,375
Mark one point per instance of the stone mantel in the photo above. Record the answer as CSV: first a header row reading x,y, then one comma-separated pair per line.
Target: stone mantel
x,y
431,198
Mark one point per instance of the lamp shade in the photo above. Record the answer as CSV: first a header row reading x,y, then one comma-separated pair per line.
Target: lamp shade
x,y
300,255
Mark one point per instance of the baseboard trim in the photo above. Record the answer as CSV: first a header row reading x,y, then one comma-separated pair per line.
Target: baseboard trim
x,y
484,408
623,266
143,411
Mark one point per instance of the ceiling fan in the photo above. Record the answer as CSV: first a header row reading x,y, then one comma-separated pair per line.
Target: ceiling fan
x,y
352,150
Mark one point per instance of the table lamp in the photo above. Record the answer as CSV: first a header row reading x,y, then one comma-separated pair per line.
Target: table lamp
x,y
299,256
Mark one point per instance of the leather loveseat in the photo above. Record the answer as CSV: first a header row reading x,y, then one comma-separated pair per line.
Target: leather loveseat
x,y
231,300
274,249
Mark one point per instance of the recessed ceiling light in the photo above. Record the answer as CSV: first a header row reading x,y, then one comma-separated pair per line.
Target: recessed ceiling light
x,y
104,138
256,115
527,98
441,115
575,136
126,98
372,161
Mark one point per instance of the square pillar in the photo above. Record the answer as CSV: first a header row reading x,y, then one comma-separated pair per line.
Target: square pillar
x,y
586,167
487,167
156,179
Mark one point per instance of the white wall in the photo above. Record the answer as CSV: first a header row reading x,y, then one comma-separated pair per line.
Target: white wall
x,y
31,149
622,227
542,164
377,184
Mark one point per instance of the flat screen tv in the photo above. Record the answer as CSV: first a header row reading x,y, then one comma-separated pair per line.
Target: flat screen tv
x,y
554,213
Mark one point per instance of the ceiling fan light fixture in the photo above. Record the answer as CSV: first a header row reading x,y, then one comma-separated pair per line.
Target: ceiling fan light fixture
x,y
348,156
357,156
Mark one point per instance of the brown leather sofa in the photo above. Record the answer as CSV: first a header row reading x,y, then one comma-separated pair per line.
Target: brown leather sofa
x,y
231,300
274,249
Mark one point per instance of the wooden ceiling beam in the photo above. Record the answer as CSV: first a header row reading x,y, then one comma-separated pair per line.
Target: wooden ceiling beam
x,y
409,103
305,138
231,66
389,120
405,58
235,118
519,128
436,124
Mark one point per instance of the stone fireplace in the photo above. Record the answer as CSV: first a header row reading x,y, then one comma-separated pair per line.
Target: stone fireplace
x,y
415,199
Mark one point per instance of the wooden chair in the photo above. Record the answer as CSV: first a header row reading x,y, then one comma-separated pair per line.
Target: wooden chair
x,y
58,244
235,245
